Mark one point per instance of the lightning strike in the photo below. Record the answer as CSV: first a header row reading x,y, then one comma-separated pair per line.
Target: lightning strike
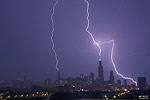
x,y
99,43
112,50
88,24
52,35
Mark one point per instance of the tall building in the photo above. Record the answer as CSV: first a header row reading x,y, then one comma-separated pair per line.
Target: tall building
x,y
100,72
142,83
4,84
91,78
81,76
125,82
47,82
58,76
111,78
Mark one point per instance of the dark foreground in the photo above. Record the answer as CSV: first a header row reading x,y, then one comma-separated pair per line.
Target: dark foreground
x,y
94,95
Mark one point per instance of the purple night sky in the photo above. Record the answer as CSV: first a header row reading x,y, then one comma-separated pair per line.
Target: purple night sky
x,y
25,46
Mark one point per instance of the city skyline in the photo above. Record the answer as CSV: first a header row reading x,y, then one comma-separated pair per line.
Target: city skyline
x,y
79,82
99,78
90,86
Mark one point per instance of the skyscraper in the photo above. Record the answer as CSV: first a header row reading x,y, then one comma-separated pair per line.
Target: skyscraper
x,y
111,78
91,77
142,83
119,82
100,72
125,82
81,76
47,82
58,76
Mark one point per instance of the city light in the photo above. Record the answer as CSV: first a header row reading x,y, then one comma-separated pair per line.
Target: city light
x,y
8,96
27,95
125,90
33,95
114,96
21,95
15,96
1,97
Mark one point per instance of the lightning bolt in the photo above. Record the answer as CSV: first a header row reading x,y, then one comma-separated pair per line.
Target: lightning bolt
x,y
112,50
88,24
52,35
98,44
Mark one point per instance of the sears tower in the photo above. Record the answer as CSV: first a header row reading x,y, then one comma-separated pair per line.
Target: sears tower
x,y
100,72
